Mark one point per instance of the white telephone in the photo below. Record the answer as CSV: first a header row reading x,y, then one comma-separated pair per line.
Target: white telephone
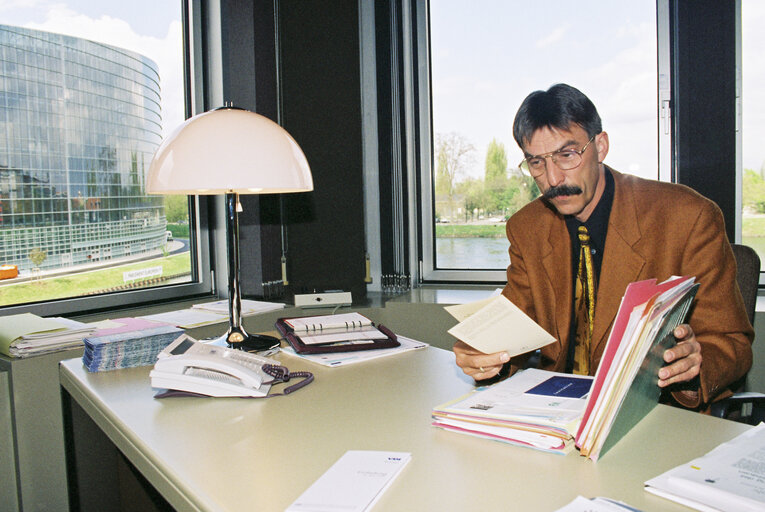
x,y
192,366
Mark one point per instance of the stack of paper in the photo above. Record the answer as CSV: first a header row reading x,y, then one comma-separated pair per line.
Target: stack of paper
x,y
26,334
354,483
534,408
249,307
335,359
625,388
211,313
729,478
599,504
127,342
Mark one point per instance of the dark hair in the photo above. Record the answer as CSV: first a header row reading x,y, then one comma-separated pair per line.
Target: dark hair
x,y
558,107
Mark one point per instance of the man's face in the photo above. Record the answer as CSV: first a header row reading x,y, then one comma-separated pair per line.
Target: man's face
x,y
575,191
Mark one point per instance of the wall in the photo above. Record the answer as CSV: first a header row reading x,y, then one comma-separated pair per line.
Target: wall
x,y
321,107
704,102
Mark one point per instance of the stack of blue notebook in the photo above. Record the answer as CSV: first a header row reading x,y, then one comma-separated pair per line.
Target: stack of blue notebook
x,y
127,342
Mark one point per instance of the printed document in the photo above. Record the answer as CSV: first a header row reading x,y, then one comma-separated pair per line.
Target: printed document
x,y
582,504
499,325
729,478
353,484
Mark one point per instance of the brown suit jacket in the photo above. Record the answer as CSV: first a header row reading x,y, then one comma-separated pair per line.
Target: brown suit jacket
x,y
655,230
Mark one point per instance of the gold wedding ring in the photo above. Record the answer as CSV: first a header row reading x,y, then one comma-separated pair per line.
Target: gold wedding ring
x,y
482,370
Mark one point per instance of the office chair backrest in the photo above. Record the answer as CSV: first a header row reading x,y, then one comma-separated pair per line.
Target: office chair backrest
x,y
748,276
744,407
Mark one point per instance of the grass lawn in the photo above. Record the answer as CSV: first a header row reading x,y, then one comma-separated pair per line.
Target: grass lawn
x,y
752,227
83,283
470,230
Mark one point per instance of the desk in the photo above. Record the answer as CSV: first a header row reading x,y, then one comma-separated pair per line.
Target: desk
x,y
239,454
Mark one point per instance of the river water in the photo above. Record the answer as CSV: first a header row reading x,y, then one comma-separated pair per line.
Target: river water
x,y
472,253
491,253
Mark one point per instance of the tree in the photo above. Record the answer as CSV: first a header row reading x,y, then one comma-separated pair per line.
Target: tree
x,y
753,192
453,153
176,208
474,196
496,161
495,178
37,256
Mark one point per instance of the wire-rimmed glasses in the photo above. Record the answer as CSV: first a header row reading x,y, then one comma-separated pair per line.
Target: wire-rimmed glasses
x,y
566,159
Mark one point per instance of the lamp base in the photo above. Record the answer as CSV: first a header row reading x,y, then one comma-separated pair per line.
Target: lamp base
x,y
238,338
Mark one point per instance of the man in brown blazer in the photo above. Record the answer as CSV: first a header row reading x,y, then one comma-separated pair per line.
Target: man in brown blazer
x,y
639,229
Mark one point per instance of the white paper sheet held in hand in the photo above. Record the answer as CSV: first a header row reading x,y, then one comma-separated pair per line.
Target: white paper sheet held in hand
x,y
500,326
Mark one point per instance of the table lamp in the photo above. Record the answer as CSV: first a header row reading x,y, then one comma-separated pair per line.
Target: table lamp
x,y
230,151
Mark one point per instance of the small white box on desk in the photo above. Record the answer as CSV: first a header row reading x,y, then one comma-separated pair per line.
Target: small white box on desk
x,y
323,300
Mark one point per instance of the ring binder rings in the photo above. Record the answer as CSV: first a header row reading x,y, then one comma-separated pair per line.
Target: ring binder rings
x,y
347,332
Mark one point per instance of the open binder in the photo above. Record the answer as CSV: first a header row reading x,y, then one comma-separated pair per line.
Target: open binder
x,y
323,334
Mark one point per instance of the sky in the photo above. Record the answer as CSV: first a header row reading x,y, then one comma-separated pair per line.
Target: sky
x,y
149,27
486,60
487,56
753,84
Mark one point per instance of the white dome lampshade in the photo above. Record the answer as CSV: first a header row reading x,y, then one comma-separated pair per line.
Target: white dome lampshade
x,y
229,150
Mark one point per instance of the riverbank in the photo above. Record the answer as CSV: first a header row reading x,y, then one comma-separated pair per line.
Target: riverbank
x,y
483,230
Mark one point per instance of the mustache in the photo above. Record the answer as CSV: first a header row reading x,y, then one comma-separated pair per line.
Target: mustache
x,y
562,190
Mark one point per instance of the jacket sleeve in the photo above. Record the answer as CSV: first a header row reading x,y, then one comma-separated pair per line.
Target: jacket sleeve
x,y
718,319
519,288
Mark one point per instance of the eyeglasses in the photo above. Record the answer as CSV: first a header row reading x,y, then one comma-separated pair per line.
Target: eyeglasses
x,y
566,159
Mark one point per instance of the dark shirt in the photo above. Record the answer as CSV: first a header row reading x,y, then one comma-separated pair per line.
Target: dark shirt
x,y
597,228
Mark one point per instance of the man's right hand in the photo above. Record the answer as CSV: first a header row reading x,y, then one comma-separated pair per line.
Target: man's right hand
x,y
476,364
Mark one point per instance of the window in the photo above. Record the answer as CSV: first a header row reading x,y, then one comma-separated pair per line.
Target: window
x,y
752,130
483,62
86,94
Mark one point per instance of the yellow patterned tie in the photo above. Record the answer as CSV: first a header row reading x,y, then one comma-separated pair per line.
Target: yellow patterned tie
x,y
584,304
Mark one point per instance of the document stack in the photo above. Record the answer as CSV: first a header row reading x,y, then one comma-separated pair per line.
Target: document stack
x,y
247,307
534,408
730,478
625,388
599,412
27,335
127,342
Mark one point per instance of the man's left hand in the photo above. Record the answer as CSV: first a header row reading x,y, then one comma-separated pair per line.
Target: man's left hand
x,y
683,360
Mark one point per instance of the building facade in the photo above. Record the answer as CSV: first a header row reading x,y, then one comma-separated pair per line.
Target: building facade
x,y
79,123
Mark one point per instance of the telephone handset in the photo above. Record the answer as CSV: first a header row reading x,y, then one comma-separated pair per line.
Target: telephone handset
x,y
195,367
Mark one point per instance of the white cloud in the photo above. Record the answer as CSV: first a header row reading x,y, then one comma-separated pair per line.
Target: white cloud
x,y
12,5
556,35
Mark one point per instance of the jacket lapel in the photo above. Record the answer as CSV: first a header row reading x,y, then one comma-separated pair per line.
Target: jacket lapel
x,y
557,265
621,263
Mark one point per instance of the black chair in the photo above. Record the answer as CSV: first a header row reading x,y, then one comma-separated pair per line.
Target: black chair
x,y
747,275
744,407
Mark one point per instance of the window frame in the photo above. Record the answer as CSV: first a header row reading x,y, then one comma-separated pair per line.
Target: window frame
x,y
199,209
428,271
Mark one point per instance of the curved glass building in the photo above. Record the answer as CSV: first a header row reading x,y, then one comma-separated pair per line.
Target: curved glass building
x,y
79,123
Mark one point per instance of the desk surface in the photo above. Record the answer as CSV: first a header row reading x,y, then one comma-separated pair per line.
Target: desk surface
x,y
261,454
